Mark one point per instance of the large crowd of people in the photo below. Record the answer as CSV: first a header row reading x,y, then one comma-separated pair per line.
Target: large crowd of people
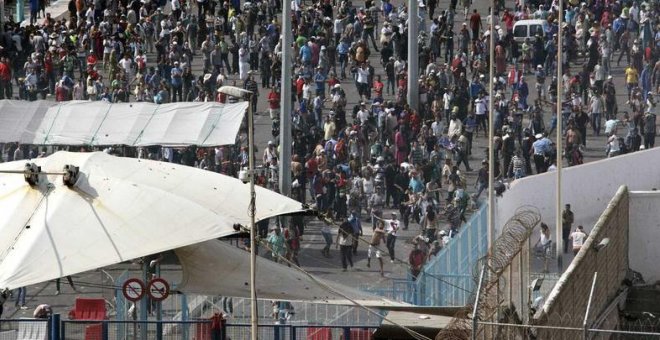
x,y
358,147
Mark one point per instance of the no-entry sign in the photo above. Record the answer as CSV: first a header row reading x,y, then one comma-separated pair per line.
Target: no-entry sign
x,y
133,289
158,289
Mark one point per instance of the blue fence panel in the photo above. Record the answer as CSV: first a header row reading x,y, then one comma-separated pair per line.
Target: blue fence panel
x,y
447,280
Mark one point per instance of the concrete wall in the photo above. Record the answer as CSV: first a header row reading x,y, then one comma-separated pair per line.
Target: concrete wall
x,y
587,188
644,252
567,302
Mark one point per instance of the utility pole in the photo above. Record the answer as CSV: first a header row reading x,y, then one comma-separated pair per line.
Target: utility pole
x,y
413,55
285,100
20,9
560,91
2,16
491,132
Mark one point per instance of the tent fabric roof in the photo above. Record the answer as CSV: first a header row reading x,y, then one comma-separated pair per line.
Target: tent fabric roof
x,y
132,124
274,281
119,209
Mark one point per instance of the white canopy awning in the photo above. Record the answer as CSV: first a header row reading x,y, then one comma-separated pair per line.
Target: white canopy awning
x,y
120,209
230,266
133,124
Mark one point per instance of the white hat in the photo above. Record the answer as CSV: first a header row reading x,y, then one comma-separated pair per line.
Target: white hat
x,y
538,136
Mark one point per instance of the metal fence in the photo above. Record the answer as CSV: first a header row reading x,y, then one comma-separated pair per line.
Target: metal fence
x,y
447,280
56,329
24,329
297,332
504,331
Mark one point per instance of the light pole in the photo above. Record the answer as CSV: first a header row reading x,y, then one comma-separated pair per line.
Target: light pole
x,y
413,55
285,99
239,92
560,131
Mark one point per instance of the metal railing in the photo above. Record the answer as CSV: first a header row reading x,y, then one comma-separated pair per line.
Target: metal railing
x,y
25,329
447,279
297,332
57,329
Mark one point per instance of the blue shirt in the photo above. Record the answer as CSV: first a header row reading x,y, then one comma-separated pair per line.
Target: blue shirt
x,y
542,146
416,185
305,53
355,223
319,79
343,48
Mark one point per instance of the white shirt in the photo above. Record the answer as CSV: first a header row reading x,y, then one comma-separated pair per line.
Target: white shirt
x,y
363,116
437,128
480,106
362,75
338,26
391,226
578,238
446,100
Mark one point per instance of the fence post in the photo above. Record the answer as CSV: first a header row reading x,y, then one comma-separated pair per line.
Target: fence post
x,y
276,332
55,327
475,317
159,330
62,334
104,330
585,324
347,333
293,333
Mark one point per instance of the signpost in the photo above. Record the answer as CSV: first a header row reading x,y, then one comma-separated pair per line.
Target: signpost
x,y
158,289
133,289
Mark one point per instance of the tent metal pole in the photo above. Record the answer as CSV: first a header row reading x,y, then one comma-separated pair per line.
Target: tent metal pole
x,y
254,322
491,133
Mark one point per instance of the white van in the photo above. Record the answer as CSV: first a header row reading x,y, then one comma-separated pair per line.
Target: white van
x,y
528,29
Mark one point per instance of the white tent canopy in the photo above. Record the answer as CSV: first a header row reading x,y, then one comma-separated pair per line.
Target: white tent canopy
x,y
202,264
132,124
120,209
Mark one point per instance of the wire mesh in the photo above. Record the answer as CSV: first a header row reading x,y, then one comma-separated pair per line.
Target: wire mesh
x,y
507,246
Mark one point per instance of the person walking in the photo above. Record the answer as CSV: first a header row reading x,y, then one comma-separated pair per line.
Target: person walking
x,y
356,228
544,246
391,229
327,236
376,237
567,219
345,243
578,237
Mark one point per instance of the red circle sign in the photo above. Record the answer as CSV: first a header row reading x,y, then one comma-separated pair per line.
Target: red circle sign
x,y
158,289
133,289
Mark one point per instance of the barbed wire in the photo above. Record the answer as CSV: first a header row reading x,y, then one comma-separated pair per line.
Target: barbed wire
x,y
507,246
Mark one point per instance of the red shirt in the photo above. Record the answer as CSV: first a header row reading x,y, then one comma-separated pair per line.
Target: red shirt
x,y
378,88
332,82
5,72
274,100
299,86
61,94
475,21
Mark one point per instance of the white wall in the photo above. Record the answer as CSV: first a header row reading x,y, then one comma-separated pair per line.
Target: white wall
x,y
588,188
643,252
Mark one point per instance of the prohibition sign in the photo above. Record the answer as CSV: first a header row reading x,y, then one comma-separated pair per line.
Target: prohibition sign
x,y
133,289
158,289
